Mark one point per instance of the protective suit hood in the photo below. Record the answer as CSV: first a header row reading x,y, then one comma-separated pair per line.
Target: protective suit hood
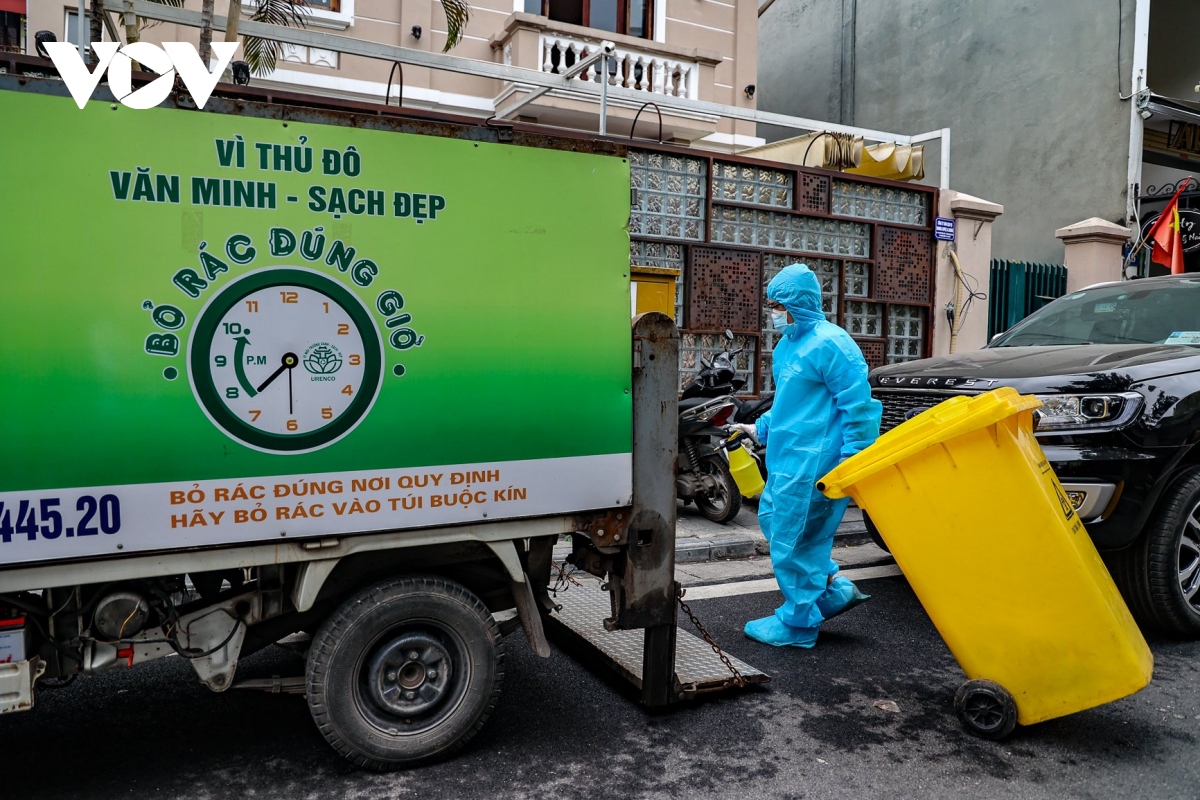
x,y
797,289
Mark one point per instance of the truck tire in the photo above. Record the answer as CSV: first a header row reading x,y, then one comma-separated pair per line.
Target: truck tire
x,y
1159,575
728,502
405,672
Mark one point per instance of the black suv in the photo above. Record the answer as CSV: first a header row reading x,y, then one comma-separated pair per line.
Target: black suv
x,y
1117,366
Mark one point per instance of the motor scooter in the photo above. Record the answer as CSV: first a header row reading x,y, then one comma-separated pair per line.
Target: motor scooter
x,y
706,405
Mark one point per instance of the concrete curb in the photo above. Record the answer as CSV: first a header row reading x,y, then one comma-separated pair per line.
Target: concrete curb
x,y
726,546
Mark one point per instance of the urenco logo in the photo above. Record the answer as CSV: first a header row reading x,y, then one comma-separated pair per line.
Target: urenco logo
x,y
172,58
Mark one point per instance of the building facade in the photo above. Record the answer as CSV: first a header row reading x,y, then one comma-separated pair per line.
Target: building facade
x,y
1047,101
698,49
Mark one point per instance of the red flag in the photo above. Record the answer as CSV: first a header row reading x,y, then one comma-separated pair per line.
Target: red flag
x,y
1167,236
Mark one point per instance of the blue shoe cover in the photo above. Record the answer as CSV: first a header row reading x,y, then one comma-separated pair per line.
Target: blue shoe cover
x,y
842,595
769,630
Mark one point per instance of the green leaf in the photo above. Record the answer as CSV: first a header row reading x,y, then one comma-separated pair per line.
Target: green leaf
x,y
458,13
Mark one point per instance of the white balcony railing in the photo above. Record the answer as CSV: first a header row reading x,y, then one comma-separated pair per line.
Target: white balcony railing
x,y
655,74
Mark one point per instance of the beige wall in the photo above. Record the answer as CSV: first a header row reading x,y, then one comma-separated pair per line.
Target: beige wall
x,y
723,31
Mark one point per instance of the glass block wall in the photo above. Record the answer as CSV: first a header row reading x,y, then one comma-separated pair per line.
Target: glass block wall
x,y
668,195
682,198
745,183
880,203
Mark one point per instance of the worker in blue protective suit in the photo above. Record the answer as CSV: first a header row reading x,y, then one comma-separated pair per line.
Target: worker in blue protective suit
x,y
823,413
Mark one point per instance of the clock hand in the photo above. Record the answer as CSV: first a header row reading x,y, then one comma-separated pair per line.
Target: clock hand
x,y
290,390
288,361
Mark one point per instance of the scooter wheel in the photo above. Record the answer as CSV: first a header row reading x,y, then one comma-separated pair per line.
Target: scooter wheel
x,y
986,709
725,504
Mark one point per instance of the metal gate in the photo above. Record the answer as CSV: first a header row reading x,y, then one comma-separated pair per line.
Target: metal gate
x,y
1019,288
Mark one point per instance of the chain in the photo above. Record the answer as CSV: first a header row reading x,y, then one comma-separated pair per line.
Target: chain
x,y
563,579
737,676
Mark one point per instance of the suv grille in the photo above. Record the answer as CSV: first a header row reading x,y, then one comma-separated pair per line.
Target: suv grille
x,y
898,406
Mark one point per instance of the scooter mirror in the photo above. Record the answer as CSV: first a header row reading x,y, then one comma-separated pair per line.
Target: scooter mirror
x,y
729,334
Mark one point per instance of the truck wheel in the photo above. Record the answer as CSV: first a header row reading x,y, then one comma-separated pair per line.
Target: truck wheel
x,y
1166,562
405,672
727,502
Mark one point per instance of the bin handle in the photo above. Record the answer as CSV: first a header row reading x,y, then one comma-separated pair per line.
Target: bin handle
x,y
834,488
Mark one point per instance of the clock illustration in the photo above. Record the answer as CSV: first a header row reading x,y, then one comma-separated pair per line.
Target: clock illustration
x,y
285,360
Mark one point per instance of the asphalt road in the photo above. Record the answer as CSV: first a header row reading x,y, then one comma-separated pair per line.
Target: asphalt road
x,y
562,732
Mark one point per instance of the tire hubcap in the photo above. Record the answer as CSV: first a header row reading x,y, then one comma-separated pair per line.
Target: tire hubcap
x,y
1189,559
410,675
983,711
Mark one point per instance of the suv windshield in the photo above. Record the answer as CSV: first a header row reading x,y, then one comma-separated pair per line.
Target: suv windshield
x,y
1166,312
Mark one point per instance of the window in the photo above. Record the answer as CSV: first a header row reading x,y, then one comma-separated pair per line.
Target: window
x,y
327,5
71,29
12,32
630,17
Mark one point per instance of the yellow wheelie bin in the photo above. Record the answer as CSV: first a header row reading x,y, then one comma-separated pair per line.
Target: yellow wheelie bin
x,y
983,531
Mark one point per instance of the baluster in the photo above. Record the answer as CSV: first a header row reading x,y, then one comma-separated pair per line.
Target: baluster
x,y
685,73
658,75
547,50
639,73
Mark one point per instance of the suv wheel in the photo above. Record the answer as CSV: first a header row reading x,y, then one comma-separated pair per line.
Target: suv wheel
x,y
1160,574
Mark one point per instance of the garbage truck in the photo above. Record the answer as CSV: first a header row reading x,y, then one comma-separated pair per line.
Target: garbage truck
x,y
301,367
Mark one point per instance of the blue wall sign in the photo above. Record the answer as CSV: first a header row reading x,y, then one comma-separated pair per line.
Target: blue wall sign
x,y
943,229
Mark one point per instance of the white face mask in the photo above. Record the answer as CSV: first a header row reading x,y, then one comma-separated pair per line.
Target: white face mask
x,y
779,320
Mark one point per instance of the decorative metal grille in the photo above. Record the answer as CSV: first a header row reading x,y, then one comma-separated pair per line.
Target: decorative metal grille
x,y
864,319
694,346
724,289
661,254
814,193
906,333
881,203
905,264
857,279
872,352
668,196
743,183
778,231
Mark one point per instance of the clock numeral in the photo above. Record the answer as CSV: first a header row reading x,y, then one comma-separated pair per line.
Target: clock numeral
x,y
292,425
220,361
327,413
252,306
232,392
326,307
355,360
232,328
255,414
347,389
343,329
290,297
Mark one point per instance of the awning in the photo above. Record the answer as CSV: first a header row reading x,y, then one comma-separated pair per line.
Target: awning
x,y
847,153
1171,108
13,6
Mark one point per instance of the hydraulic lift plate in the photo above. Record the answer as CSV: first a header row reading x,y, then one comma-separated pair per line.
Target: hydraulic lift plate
x,y
581,622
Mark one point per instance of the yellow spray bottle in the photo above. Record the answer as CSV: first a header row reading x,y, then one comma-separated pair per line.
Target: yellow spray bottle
x,y
745,471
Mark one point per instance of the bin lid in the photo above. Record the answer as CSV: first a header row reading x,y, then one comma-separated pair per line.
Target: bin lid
x,y
947,420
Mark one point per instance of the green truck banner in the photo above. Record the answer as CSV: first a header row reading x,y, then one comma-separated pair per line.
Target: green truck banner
x,y
222,329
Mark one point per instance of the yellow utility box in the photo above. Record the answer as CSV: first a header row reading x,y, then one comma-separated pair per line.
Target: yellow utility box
x,y
653,289
985,535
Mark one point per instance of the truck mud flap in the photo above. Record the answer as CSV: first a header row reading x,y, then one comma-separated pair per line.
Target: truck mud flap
x,y
578,627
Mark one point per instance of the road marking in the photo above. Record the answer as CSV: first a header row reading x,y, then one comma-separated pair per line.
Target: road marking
x,y
769,584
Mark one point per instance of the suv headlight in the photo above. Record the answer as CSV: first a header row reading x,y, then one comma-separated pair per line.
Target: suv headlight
x,y
1086,413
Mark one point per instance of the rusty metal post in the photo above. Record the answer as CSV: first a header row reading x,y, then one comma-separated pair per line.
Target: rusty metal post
x,y
649,579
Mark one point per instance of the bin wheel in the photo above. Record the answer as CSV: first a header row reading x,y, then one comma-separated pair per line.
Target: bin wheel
x,y
405,672
873,532
986,709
